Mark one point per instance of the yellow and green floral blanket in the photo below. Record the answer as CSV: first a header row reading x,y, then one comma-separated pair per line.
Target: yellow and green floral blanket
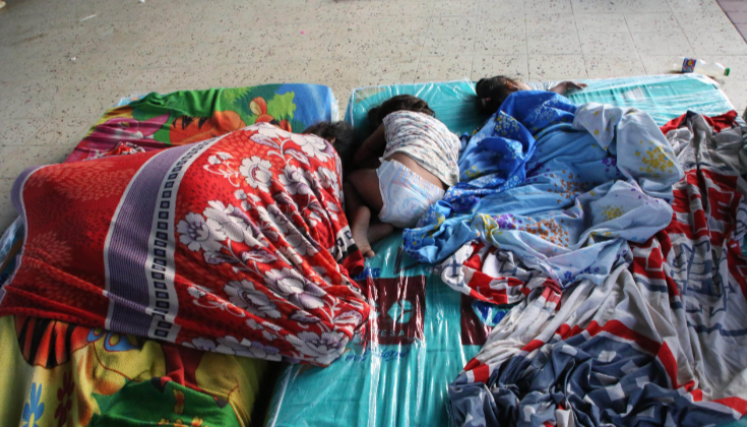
x,y
57,374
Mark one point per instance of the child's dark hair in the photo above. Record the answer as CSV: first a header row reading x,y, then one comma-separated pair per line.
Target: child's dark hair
x,y
343,135
397,103
492,91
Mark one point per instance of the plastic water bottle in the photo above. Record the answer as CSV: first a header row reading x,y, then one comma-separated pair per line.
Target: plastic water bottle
x,y
692,65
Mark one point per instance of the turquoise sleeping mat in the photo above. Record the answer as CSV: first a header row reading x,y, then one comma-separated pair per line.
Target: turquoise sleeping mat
x,y
422,333
664,97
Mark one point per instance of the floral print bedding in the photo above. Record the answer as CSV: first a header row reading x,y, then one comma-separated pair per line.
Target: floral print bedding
x,y
235,245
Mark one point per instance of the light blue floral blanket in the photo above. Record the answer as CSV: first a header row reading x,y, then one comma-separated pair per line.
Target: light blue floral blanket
x,y
561,186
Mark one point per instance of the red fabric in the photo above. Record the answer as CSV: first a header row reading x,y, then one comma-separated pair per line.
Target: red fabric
x,y
718,123
258,238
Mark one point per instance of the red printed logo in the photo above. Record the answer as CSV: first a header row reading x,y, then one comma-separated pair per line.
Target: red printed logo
x,y
399,307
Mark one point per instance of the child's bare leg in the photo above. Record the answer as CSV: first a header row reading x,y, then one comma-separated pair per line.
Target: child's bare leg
x,y
361,223
365,197
366,183
359,216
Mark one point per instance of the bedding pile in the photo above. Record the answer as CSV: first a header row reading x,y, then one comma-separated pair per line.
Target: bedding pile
x,y
563,189
59,373
586,271
231,245
657,336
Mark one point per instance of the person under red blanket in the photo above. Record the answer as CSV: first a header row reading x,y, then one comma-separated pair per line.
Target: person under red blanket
x,y
236,245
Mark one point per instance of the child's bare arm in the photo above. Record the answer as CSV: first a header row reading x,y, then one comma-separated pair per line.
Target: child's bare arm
x,y
372,147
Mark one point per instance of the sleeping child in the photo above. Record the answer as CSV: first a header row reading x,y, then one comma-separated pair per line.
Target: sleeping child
x,y
492,91
404,167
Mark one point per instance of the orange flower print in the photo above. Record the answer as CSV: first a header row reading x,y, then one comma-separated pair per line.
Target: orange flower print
x,y
186,129
179,407
196,422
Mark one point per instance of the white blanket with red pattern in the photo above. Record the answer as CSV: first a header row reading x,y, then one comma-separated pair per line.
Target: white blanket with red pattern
x,y
660,342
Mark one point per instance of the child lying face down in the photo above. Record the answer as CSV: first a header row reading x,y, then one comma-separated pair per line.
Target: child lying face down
x,y
404,167
492,91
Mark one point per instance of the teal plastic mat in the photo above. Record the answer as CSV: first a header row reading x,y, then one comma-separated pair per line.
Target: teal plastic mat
x,y
664,97
400,377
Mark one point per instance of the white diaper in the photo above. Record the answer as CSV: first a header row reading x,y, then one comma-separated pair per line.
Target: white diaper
x,y
406,195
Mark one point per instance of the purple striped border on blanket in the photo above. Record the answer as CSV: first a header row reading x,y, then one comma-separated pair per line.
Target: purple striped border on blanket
x,y
139,252
16,198
126,251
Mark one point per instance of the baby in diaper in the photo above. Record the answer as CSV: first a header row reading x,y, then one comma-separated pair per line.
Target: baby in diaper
x,y
404,167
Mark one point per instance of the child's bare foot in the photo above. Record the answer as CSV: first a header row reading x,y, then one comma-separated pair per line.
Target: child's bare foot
x,y
359,229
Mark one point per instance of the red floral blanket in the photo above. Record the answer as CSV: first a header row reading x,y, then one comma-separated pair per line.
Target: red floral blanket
x,y
235,245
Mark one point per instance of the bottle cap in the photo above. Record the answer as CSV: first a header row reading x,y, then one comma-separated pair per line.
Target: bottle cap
x,y
727,71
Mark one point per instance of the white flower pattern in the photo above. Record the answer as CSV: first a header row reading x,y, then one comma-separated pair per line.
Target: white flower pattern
x,y
256,171
197,234
278,219
254,325
296,288
200,343
198,291
243,294
219,220
328,179
313,146
246,348
322,348
294,181
270,292
300,244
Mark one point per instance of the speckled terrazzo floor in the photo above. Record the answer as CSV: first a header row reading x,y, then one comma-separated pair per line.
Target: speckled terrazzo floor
x,y
48,101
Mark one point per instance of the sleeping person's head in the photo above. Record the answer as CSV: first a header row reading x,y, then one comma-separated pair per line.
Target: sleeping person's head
x,y
492,91
397,103
340,134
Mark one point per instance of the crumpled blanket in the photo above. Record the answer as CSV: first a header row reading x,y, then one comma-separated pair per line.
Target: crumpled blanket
x,y
236,245
563,188
660,341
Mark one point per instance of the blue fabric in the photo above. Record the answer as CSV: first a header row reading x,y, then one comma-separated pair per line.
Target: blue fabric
x,y
11,238
494,158
563,188
527,391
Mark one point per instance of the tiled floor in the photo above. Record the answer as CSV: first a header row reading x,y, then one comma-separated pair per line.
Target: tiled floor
x,y
122,46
